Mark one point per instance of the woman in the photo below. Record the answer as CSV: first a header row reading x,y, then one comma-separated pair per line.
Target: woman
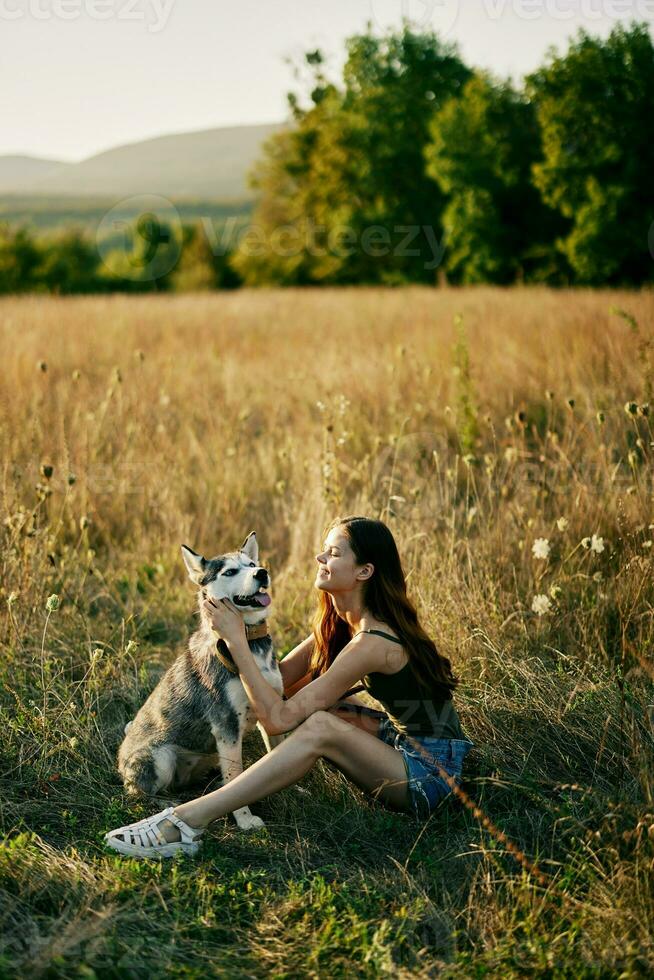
x,y
366,629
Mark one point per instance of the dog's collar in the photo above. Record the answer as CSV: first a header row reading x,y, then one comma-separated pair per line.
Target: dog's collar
x,y
256,632
225,657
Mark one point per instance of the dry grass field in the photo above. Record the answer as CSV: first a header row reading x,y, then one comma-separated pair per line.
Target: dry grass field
x,y
476,422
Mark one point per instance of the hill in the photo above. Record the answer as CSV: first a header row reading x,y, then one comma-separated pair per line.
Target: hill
x,y
17,171
211,163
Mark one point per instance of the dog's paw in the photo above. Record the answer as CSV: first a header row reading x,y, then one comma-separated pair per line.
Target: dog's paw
x,y
249,822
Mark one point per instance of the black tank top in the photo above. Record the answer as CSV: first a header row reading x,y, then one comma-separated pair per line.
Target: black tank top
x,y
413,709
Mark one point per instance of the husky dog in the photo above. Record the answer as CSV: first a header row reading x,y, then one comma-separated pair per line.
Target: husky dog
x,y
196,717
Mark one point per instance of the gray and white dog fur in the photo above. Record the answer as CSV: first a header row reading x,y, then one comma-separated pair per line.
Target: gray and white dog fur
x,y
198,713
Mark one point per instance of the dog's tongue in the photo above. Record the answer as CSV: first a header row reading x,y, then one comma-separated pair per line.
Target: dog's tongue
x,y
263,599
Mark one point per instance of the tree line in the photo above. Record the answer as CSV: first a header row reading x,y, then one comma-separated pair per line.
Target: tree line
x,y
417,168
414,167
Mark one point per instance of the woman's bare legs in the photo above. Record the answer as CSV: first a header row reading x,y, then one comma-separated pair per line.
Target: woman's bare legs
x,y
370,763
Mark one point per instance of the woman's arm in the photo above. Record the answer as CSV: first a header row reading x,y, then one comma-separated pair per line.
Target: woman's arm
x,y
295,664
363,654
359,657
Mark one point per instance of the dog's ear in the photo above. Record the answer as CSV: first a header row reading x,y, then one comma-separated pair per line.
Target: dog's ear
x,y
195,564
250,547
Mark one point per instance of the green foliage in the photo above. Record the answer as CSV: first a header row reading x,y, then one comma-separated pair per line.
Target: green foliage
x,y
594,106
19,258
550,184
69,264
141,258
200,266
483,144
344,195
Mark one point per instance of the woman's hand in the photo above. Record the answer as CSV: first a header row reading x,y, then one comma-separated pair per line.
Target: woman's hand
x,y
226,620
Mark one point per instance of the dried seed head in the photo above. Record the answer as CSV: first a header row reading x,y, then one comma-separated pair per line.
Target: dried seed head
x,y
631,408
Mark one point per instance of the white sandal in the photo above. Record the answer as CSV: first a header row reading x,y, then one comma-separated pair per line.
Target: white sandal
x,y
144,838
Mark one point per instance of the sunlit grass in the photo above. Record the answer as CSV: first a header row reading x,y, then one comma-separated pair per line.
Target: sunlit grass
x,y
505,436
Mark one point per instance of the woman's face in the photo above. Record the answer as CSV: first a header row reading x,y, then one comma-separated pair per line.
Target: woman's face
x,y
337,567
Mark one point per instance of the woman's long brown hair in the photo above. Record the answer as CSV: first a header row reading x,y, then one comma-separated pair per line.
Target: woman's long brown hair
x,y
385,597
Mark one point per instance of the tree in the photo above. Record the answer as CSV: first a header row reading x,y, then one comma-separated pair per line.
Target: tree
x,y
19,259
594,107
199,266
345,197
69,264
483,145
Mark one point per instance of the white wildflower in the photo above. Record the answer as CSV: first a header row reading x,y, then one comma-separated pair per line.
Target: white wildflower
x,y
541,604
597,544
541,548
562,523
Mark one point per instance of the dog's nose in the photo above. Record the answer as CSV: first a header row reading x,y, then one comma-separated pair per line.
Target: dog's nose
x,y
261,575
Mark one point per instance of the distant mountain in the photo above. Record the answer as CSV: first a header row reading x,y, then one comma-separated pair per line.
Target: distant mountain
x,y
210,164
16,171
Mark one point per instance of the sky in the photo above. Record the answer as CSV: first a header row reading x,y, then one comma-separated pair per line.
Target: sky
x,y
81,76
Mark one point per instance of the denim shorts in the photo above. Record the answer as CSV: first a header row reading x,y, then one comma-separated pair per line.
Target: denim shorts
x,y
426,786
